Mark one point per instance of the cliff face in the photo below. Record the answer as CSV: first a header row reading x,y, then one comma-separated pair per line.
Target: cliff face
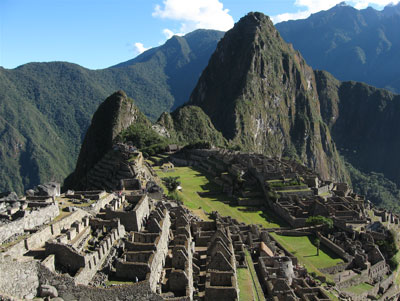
x,y
262,95
113,116
364,122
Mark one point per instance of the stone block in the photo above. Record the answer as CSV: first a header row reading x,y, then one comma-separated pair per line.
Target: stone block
x,y
48,291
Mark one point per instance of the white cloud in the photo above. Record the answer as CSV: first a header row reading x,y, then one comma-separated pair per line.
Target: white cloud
x,y
312,6
168,33
139,48
194,14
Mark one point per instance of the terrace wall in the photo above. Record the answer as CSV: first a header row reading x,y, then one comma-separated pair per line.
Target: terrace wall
x,y
31,219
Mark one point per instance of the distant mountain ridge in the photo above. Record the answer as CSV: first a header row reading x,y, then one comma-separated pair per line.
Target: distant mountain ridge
x,y
360,45
46,108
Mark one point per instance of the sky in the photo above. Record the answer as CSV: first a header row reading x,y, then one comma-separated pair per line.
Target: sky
x,y
97,34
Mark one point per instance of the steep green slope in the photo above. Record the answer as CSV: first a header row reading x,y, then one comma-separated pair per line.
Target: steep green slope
x,y
364,122
30,149
190,124
262,96
376,187
60,98
360,45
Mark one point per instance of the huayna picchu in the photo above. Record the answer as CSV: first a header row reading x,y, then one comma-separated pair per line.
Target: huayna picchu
x,y
238,195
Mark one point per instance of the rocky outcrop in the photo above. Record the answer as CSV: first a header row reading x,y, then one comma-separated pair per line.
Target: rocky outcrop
x,y
113,116
262,96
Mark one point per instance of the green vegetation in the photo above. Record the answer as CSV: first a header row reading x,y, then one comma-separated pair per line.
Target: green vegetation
x,y
194,181
319,220
231,92
367,49
189,124
304,249
360,288
145,139
118,282
46,108
376,187
257,290
171,183
245,284
278,183
390,249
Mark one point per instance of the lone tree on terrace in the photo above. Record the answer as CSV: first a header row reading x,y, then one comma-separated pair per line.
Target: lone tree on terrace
x,y
317,243
171,183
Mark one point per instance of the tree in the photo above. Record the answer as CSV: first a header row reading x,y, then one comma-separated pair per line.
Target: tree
x,y
319,220
317,243
171,183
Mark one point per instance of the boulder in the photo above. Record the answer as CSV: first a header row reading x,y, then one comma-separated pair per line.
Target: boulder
x,y
48,189
8,196
48,291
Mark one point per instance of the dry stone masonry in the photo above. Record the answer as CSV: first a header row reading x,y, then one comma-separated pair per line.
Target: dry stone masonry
x,y
123,240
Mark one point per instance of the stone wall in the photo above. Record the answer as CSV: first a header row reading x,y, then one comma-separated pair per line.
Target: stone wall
x,y
335,269
100,204
95,260
69,291
335,248
18,279
157,263
39,238
64,254
132,220
32,219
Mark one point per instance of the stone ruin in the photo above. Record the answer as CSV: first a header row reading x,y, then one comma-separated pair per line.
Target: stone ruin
x,y
129,244
19,216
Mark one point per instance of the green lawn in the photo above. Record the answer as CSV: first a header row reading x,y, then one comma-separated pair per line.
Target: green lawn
x,y
118,282
257,290
245,284
193,181
306,252
359,289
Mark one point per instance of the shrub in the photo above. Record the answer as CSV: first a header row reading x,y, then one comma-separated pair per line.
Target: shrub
x,y
171,183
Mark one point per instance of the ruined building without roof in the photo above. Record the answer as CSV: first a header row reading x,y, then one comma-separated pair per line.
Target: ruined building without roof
x,y
136,245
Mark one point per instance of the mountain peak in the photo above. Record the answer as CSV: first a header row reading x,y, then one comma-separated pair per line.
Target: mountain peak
x,y
113,116
341,4
256,90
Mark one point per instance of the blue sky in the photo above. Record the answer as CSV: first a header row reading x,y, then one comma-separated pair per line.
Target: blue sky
x,y
100,33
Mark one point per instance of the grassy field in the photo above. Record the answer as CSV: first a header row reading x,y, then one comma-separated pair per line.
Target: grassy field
x,y
194,181
245,284
306,252
359,289
257,290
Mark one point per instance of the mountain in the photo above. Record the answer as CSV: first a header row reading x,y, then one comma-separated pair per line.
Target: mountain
x,y
363,122
116,114
262,96
360,45
46,108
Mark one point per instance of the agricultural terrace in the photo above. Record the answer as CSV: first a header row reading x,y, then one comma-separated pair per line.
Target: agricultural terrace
x,y
194,181
302,247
